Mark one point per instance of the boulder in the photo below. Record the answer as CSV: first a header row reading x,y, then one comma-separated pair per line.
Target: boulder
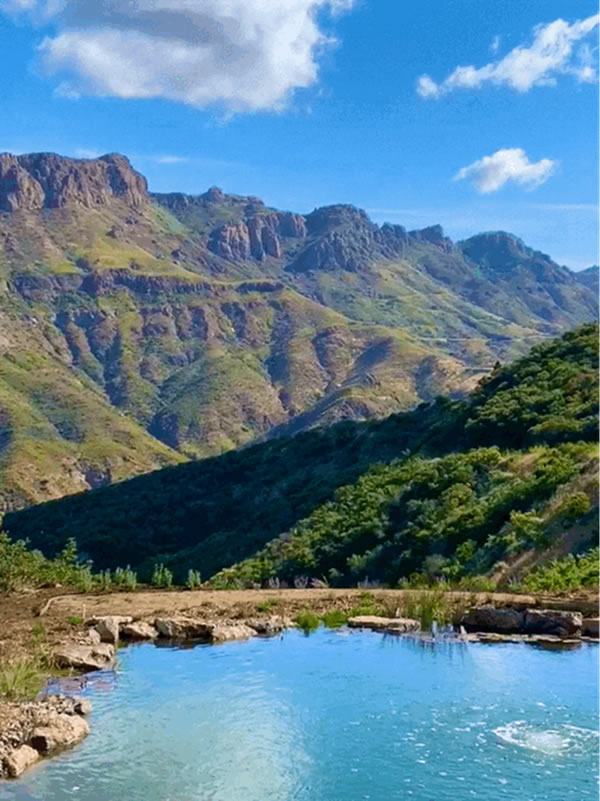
x,y
182,628
81,706
140,630
236,631
94,637
19,760
402,625
370,622
58,731
267,626
489,618
85,657
589,626
108,629
553,621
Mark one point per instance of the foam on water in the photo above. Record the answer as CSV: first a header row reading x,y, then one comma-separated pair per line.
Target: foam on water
x,y
563,740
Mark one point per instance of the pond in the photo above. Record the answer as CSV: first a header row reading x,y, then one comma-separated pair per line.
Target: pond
x,y
336,716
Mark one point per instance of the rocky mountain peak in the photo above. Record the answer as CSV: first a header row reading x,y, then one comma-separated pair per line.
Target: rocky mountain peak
x,y
328,218
38,181
499,250
433,235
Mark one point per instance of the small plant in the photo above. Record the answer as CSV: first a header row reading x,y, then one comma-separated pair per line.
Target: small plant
x,y
126,578
162,576
429,605
194,580
301,582
268,605
104,579
334,619
75,620
20,678
307,621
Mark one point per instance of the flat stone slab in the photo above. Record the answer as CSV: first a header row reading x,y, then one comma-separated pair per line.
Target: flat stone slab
x,y
139,630
85,657
398,625
183,628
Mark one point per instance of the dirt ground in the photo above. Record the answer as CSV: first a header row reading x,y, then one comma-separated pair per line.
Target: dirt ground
x,y
20,613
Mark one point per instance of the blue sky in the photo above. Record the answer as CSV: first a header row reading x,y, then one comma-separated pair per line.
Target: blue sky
x,y
256,97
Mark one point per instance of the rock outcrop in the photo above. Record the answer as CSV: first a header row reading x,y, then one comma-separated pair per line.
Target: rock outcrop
x,y
257,237
48,181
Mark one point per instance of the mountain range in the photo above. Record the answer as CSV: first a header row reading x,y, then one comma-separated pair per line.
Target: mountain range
x,y
140,330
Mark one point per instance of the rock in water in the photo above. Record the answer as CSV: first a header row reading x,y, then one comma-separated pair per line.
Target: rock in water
x,y
85,657
140,630
19,760
59,731
226,633
553,621
181,628
488,618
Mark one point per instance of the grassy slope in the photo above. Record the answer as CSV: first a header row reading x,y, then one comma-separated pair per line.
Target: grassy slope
x,y
213,513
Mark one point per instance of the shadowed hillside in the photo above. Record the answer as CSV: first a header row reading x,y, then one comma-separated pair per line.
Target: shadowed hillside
x,y
510,468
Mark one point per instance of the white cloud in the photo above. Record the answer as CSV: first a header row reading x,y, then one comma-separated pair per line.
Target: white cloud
x,y
171,159
491,173
552,52
243,55
86,153
495,45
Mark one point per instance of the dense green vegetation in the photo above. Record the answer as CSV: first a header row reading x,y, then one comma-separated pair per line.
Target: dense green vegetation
x,y
445,517
446,491
569,573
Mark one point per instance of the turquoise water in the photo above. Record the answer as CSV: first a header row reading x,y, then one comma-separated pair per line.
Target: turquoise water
x,y
337,716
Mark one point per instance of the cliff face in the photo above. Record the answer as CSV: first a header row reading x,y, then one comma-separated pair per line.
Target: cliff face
x,y
137,329
48,181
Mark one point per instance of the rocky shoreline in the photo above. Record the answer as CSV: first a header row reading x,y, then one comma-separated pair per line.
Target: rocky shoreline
x,y
31,730
35,729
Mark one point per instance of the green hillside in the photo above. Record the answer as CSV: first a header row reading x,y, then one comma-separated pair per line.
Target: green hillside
x,y
452,488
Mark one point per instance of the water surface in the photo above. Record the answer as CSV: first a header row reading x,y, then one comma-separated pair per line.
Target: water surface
x,y
337,716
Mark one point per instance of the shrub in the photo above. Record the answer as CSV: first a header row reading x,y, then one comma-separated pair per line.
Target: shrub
x,y
162,576
334,619
566,574
20,678
126,578
194,580
307,621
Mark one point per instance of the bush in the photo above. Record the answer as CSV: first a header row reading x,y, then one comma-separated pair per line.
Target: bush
x,y
334,619
20,678
566,574
162,576
194,580
307,621
126,578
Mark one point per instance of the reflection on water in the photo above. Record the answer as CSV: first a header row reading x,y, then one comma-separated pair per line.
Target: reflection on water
x,y
337,716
